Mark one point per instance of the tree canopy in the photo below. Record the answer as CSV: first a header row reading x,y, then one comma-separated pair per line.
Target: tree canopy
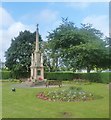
x,y
68,47
78,48
18,55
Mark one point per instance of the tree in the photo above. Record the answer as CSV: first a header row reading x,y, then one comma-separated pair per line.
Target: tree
x,y
78,48
51,57
91,54
108,46
60,39
18,55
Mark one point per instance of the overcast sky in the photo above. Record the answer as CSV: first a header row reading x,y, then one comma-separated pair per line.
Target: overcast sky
x,y
22,16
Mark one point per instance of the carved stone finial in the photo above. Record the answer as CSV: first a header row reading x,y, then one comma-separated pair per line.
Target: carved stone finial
x,y
37,26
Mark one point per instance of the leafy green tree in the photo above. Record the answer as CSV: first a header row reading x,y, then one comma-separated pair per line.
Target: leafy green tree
x,y
91,54
60,39
18,55
51,57
78,48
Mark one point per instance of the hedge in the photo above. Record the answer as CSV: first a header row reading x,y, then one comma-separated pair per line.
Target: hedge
x,y
20,74
5,74
58,76
8,74
92,77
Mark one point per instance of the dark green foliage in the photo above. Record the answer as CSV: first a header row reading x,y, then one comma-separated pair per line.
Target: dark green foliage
x,y
105,77
20,74
74,48
92,77
18,55
95,77
58,76
6,74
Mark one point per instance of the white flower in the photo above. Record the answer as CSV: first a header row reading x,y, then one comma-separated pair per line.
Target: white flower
x,y
74,95
83,92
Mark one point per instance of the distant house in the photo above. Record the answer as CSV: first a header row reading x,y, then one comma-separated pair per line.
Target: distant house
x,y
2,64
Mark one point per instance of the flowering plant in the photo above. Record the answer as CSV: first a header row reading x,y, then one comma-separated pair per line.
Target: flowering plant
x,y
40,78
71,94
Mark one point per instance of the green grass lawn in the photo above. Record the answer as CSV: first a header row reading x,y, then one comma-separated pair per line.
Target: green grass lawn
x,y
24,104
0,101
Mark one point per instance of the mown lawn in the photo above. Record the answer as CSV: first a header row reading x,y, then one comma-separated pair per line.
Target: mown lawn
x,y
24,104
0,101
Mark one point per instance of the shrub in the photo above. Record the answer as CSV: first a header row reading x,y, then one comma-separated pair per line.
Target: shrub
x,y
5,74
92,77
58,76
105,77
20,74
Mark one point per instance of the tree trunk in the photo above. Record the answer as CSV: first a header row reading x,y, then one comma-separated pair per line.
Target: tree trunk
x,y
88,69
56,67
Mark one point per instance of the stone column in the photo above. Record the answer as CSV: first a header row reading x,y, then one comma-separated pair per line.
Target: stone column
x,y
35,58
31,72
41,60
35,73
37,39
42,72
32,60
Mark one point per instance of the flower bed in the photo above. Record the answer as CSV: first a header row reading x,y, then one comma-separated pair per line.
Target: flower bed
x,y
40,78
71,94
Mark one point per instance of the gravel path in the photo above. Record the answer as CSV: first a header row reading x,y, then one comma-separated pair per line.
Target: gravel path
x,y
24,85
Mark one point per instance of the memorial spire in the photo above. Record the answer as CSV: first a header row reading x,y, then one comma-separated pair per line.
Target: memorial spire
x,y
37,38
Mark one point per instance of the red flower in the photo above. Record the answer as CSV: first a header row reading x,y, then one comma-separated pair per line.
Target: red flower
x,y
30,80
40,78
